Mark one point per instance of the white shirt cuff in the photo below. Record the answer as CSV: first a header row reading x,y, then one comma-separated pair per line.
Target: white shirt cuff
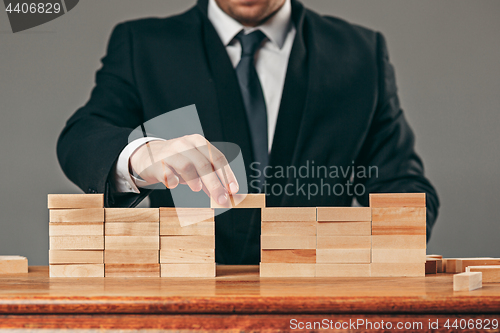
x,y
124,181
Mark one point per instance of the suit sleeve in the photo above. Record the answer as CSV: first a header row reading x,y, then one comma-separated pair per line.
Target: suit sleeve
x,y
94,136
390,146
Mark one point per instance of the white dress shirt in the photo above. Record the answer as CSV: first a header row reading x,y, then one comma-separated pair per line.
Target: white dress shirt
x,y
271,62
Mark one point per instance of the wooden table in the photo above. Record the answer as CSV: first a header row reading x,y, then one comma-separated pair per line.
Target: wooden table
x,y
239,300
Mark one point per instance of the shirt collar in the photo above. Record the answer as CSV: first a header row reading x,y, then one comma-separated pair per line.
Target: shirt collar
x,y
276,28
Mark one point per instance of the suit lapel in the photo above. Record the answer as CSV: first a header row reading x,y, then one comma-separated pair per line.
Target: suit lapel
x,y
292,104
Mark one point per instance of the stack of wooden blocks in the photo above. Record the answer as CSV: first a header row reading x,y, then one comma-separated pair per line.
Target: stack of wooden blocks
x,y
131,242
386,239
76,232
288,242
398,234
344,241
187,242
88,240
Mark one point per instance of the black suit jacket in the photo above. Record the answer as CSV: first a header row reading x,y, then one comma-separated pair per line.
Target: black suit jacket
x,y
339,107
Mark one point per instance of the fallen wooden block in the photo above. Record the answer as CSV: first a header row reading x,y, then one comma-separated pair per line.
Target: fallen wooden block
x,y
187,256
344,242
242,201
198,229
132,242
186,216
289,228
288,256
343,256
436,256
398,255
76,271
13,265
430,266
188,270
77,243
397,200
76,229
73,201
342,270
465,262
187,242
344,229
287,242
75,257
86,215
132,229
467,281
399,242
344,214
289,214
131,256
398,221
132,270
132,214
397,269
491,274
287,270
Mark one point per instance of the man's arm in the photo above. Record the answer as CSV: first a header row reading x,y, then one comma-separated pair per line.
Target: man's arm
x,y
389,146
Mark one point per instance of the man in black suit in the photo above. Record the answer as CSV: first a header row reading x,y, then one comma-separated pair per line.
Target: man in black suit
x,y
295,90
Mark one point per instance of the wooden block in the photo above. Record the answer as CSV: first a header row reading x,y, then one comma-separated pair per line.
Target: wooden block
x,y
289,228
342,270
132,215
76,229
287,242
491,274
287,270
453,265
242,201
132,242
437,256
397,200
397,269
77,243
444,265
344,242
399,242
77,215
289,256
344,214
73,201
76,271
187,242
187,256
465,262
132,229
398,255
398,221
132,270
75,257
343,256
430,266
13,265
198,229
298,214
467,281
188,270
344,229
131,257
186,216
439,264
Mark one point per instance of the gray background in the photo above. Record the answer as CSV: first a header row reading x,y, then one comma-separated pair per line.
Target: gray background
x,y
446,55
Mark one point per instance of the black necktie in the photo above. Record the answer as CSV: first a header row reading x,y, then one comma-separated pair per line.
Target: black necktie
x,y
253,97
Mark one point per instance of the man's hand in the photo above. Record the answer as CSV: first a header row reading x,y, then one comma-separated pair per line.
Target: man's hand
x,y
190,160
